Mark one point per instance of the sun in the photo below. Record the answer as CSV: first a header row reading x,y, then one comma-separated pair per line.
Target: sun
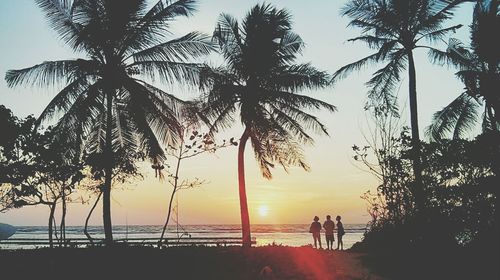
x,y
263,210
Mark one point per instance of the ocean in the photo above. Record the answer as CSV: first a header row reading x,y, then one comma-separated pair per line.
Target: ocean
x,y
286,234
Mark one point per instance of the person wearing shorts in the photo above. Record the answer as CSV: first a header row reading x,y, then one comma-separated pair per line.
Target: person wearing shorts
x,y
329,226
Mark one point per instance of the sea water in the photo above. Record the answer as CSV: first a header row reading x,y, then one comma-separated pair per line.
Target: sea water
x,y
265,234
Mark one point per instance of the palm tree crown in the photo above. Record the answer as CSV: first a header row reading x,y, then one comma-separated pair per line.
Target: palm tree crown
x,y
103,100
123,41
479,70
259,82
396,28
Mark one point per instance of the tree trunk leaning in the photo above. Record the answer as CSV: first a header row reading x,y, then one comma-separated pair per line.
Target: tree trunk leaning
x,y
245,219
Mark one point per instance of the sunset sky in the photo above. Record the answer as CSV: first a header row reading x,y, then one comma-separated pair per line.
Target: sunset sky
x,y
335,182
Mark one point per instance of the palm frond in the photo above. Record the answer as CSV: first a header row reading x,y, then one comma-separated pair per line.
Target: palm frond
x,y
438,35
79,119
149,143
123,130
290,46
446,6
456,118
371,40
191,45
272,147
301,76
59,14
217,76
169,72
227,35
383,84
297,100
48,73
222,117
446,57
175,104
309,121
161,119
369,60
64,99
261,152
153,26
290,124
374,27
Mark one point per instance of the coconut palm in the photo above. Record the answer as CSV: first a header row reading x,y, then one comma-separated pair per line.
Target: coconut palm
x,y
258,83
396,28
479,70
103,98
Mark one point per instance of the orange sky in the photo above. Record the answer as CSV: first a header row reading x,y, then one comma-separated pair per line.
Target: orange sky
x,y
332,187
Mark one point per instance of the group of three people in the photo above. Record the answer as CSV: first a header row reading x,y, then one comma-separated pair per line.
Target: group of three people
x,y
329,226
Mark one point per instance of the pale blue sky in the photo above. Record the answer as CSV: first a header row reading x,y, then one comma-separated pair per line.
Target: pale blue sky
x,y
26,39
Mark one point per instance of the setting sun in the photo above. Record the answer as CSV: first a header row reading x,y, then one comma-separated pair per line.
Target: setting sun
x,y
250,139
263,210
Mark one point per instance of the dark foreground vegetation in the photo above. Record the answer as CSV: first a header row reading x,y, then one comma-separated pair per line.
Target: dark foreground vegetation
x,y
455,235
270,262
433,263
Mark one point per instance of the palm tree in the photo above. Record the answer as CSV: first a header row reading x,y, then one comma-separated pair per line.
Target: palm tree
x,y
103,98
259,82
396,28
479,70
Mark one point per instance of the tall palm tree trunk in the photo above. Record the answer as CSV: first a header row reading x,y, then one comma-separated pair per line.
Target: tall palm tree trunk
x,y
245,218
106,192
415,135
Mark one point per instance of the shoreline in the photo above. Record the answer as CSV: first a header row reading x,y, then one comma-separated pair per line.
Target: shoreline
x,y
287,235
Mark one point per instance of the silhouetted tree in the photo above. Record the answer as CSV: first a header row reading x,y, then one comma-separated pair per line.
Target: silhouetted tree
x,y
192,144
479,70
124,170
103,96
258,83
12,172
34,171
392,201
396,28
460,200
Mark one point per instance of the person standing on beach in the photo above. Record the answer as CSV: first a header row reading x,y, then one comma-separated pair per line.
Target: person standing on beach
x,y
315,229
340,233
329,225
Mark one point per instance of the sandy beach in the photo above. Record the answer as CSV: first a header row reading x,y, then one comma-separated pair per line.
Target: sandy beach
x,y
270,262
266,262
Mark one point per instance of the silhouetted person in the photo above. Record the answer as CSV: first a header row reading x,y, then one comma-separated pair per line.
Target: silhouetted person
x,y
340,233
315,229
329,225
